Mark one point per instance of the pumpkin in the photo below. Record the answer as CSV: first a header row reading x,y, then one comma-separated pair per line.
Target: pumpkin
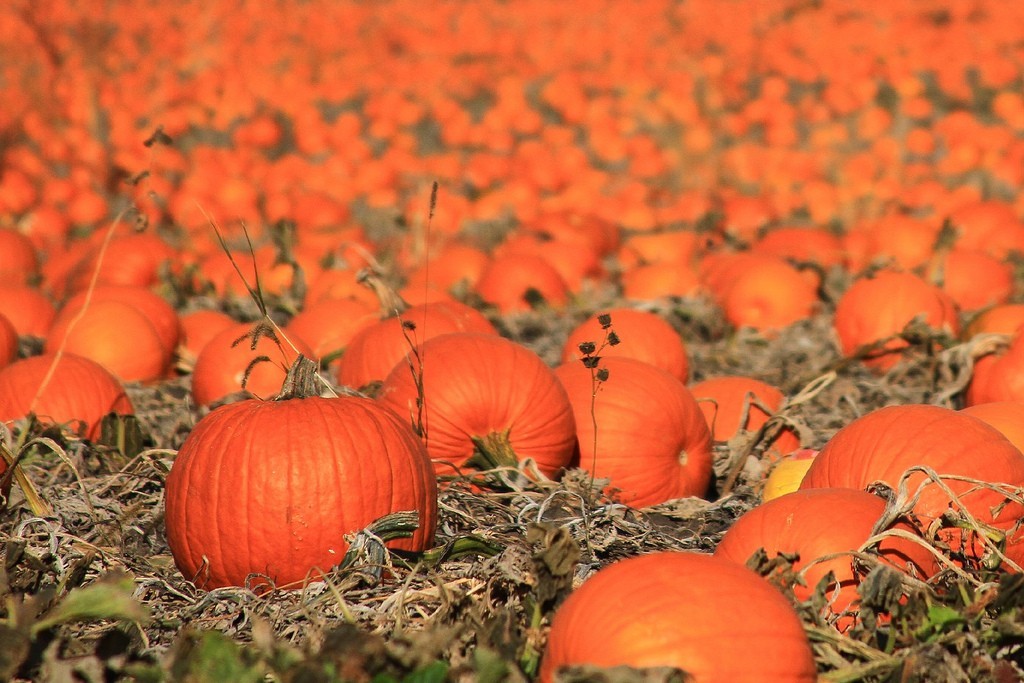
x,y
516,283
486,395
374,350
154,307
116,335
680,609
1000,319
272,487
732,405
329,324
1006,416
227,360
875,308
197,328
999,376
643,335
651,439
815,523
68,389
19,261
883,444
8,341
28,309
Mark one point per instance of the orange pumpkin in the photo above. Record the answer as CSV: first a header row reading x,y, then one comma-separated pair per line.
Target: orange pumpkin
x,y
484,394
999,376
643,335
883,444
516,283
1006,416
68,389
375,349
813,524
659,610
651,439
114,334
878,307
222,364
28,309
272,488
731,406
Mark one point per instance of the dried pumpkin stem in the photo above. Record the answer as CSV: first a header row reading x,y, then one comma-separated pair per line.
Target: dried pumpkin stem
x,y
390,301
301,380
494,451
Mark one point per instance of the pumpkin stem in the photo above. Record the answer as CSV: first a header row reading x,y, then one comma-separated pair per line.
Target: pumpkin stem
x,y
391,303
302,380
493,451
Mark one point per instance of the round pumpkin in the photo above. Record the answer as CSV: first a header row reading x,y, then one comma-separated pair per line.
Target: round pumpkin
x,y
883,444
651,439
875,308
815,523
272,488
727,400
8,341
643,335
28,309
516,283
330,323
999,376
713,618
375,349
227,360
1006,416
116,335
486,395
70,389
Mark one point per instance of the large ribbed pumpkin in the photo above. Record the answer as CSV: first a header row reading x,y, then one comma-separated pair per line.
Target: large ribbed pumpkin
x,y
69,390
644,335
272,487
883,444
713,618
484,394
652,441
813,524
375,349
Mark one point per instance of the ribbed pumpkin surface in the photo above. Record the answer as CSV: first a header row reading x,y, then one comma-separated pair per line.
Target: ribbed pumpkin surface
x,y
715,619
272,487
79,391
475,385
652,440
883,444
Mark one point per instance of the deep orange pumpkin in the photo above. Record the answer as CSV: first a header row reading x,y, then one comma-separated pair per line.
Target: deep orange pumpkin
x,y
8,341
680,609
28,309
814,523
76,391
875,308
643,335
725,400
221,365
1006,416
652,441
483,393
273,487
883,444
374,350
116,335
999,376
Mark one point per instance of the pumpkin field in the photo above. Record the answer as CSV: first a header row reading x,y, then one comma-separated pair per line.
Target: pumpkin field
x,y
407,342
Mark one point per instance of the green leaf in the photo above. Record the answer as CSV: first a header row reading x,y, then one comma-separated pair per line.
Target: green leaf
x,y
108,598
